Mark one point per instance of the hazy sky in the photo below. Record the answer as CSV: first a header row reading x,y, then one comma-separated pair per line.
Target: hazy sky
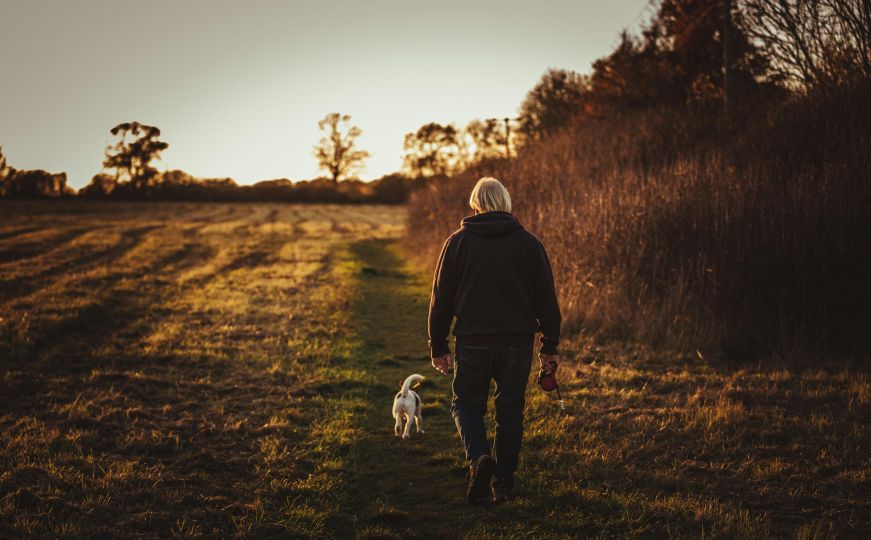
x,y
237,87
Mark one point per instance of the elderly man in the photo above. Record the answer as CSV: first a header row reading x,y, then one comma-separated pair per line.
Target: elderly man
x,y
495,277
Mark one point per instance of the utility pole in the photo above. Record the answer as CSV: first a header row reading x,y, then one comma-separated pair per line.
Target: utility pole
x,y
507,137
727,55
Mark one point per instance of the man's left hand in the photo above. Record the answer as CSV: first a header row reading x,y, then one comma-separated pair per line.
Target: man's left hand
x,y
444,363
549,362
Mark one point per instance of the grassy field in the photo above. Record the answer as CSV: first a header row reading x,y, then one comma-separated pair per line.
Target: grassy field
x,y
227,370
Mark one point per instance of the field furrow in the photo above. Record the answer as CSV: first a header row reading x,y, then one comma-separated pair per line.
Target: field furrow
x,y
227,370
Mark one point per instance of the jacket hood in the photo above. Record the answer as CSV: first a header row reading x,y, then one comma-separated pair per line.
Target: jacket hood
x,y
491,224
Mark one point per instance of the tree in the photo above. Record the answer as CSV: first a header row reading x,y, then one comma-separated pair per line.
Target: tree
x,y
336,152
4,167
101,185
432,150
552,103
138,145
177,177
634,75
6,174
812,43
690,35
31,183
488,137
35,184
678,58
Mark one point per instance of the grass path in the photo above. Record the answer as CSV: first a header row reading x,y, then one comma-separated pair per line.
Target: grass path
x,y
650,446
415,488
401,487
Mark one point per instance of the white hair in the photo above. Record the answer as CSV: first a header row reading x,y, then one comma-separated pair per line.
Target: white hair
x,y
489,195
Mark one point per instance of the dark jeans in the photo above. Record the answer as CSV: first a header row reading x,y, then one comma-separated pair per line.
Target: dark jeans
x,y
474,367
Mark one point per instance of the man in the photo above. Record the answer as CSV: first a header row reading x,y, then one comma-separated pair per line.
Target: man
x,y
495,277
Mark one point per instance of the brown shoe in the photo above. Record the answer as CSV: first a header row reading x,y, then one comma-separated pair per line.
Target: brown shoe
x,y
480,474
502,494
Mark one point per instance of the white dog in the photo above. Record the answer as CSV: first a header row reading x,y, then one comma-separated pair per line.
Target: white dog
x,y
406,407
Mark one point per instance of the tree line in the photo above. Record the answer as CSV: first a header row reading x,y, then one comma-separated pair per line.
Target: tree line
x,y
129,174
694,54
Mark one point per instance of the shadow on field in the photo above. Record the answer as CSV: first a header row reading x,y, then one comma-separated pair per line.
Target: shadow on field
x,y
651,444
239,382
107,435
23,285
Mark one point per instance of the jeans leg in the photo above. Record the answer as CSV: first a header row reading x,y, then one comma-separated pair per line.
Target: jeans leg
x,y
470,386
511,377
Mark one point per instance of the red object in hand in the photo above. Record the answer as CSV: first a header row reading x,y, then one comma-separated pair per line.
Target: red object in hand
x,y
547,380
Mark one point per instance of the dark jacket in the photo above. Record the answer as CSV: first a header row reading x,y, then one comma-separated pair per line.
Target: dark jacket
x,y
495,277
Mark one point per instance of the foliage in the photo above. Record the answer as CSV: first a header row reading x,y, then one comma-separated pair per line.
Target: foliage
x,y
432,150
677,59
138,145
436,150
489,140
31,184
101,185
4,166
336,152
552,103
176,185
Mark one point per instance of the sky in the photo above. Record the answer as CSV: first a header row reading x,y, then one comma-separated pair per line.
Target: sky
x,y
237,87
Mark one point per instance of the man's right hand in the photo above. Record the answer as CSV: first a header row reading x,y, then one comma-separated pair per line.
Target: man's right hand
x,y
549,362
444,363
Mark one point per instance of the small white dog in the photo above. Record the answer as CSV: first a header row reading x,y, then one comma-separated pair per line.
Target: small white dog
x,y
406,407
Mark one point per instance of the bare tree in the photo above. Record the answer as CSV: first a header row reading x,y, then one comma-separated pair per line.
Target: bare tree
x,y
336,152
812,43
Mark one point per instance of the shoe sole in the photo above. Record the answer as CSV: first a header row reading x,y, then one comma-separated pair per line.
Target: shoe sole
x,y
479,490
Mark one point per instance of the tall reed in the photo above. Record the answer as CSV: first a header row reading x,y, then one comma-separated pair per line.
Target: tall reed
x,y
679,229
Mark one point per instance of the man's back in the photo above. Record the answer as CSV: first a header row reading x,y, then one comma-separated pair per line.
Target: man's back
x,y
495,277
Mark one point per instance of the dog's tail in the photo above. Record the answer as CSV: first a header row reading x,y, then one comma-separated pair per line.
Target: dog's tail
x,y
409,381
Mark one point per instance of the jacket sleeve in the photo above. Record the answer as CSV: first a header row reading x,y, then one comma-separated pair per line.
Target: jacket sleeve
x,y
546,304
441,304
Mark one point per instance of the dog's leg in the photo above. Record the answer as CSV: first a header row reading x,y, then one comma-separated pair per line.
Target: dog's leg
x,y
397,429
418,423
407,433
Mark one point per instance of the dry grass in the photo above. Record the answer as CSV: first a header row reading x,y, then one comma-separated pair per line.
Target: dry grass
x,y
227,370
156,360
670,228
745,449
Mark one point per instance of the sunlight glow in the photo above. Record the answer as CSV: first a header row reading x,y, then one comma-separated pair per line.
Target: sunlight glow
x,y
237,90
